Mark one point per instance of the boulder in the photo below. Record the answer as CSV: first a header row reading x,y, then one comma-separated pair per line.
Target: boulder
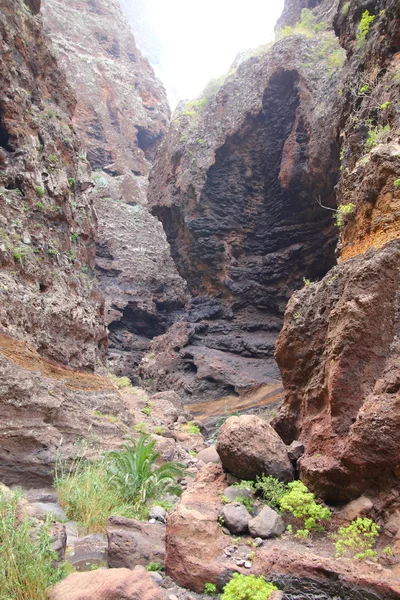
x,y
209,455
236,517
168,405
267,524
249,446
158,513
112,584
132,543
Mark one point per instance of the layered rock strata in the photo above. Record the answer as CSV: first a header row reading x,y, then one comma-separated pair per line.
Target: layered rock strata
x,y
238,184
122,115
52,333
339,351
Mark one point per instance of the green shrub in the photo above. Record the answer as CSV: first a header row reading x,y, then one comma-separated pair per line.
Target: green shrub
x,y
52,251
307,25
210,589
154,566
345,9
363,27
396,182
358,539
71,181
39,205
191,427
272,490
120,382
20,253
52,159
27,559
300,502
342,211
40,191
74,237
247,587
133,472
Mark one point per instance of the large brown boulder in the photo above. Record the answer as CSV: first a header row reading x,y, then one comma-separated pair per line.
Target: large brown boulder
x,y
249,446
112,584
132,543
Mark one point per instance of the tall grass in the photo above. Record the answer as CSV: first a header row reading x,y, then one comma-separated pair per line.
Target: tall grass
x,y
121,483
27,559
87,496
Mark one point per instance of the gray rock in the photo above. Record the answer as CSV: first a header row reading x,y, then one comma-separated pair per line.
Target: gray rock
x,y
156,577
295,450
158,513
132,542
236,517
209,455
232,492
266,524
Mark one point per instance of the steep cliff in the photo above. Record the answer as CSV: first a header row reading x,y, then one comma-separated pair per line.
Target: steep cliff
x,y
122,114
339,349
51,311
238,184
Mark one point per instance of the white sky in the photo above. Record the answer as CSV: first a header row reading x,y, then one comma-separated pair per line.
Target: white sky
x,y
199,39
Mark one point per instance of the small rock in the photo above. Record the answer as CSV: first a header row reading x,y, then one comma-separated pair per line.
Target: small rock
x,y
152,521
240,562
248,564
182,420
360,507
258,542
266,524
209,455
173,597
159,513
236,517
232,492
156,577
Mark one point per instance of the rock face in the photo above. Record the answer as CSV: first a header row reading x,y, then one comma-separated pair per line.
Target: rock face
x,y
108,584
121,115
339,349
249,446
52,333
235,184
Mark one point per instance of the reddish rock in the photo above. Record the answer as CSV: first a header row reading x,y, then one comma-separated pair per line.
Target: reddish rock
x,y
111,584
362,507
132,542
249,446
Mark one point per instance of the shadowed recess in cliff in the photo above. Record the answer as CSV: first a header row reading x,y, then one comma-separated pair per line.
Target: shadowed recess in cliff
x,y
257,228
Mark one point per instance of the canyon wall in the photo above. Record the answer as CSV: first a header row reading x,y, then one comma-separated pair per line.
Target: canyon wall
x,y
122,115
52,331
238,184
339,351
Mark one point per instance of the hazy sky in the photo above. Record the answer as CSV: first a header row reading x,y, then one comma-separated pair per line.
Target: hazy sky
x,y
199,40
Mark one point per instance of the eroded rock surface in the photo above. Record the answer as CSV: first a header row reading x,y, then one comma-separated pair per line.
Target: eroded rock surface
x,y
339,349
122,115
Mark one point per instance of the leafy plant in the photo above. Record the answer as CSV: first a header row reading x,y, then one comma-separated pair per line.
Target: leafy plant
x,y
345,9
271,489
376,135
134,473
300,502
74,237
147,409
342,211
307,282
191,427
27,560
71,181
52,251
385,105
52,159
307,25
363,27
387,551
358,539
154,566
40,205
20,253
247,587
158,430
210,589
396,182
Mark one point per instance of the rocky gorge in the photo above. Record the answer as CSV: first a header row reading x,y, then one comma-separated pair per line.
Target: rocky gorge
x,y
161,275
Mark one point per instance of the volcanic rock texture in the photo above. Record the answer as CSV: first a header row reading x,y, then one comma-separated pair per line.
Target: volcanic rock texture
x,y
236,184
339,350
51,311
122,115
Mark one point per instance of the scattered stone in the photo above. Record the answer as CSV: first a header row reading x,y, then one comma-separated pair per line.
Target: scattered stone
x,y
236,517
156,577
132,542
248,564
258,542
209,455
361,507
152,521
108,584
295,450
249,446
158,513
232,492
